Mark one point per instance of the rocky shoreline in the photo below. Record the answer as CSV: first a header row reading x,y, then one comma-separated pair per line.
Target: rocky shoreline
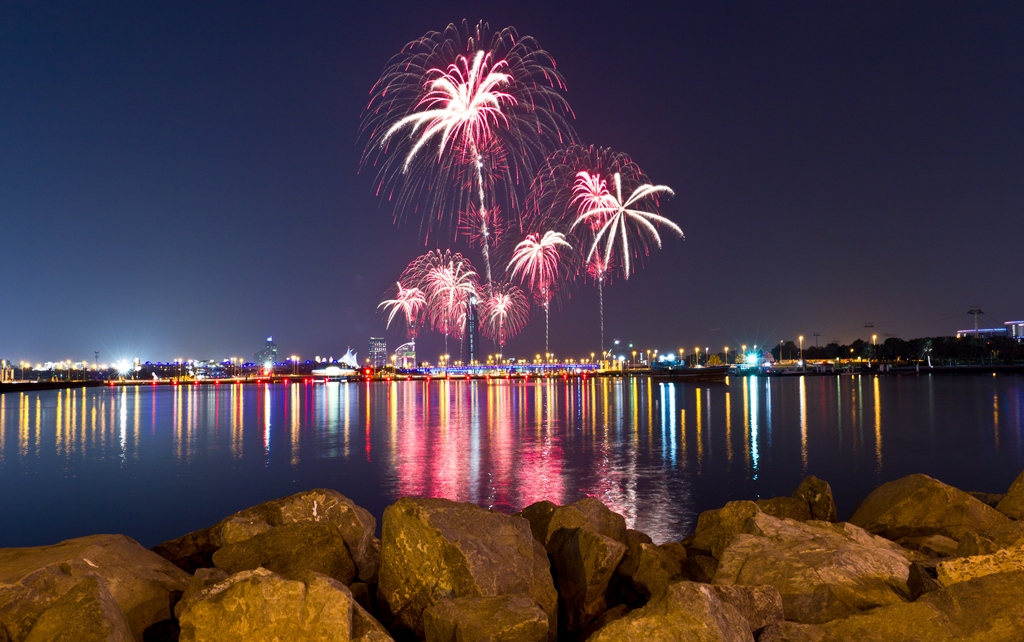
x,y
918,560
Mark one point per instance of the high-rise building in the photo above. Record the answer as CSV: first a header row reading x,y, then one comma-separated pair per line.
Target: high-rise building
x,y
405,355
378,352
268,355
471,344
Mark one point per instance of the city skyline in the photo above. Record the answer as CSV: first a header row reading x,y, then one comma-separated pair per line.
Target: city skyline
x,y
185,182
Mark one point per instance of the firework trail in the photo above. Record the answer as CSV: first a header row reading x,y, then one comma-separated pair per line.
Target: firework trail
x,y
489,106
535,261
410,302
504,310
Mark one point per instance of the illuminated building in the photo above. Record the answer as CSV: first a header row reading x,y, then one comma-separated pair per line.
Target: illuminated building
x,y
1016,329
471,344
378,352
268,355
405,356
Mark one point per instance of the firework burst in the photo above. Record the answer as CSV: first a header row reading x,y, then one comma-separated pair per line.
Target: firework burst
x,y
490,104
447,280
410,302
535,262
504,310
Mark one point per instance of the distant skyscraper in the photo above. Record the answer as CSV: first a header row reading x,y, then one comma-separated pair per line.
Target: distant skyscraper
x,y
471,345
267,355
378,352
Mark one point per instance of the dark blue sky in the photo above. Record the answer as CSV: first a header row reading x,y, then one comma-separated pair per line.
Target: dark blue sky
x,y
181,179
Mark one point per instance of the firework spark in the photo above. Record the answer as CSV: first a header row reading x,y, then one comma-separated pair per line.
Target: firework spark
x,y
447,280
535,261
410,302
492,104
504,310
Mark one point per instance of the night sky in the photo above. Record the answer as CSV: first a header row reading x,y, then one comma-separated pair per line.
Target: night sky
x,y
183,180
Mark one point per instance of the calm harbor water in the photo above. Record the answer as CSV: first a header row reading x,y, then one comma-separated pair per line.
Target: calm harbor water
x,y
155,462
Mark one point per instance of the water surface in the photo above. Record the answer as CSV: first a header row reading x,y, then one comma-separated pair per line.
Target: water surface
x,y
157,461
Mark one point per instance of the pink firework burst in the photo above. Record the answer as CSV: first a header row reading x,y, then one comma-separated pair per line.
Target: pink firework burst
x,y
447,280
473,220
410,302
504,310
535,263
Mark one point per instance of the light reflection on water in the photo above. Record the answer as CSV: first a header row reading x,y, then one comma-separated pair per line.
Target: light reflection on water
x,y
157,461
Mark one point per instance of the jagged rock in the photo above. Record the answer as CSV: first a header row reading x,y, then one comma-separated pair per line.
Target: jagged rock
x,y
539,516
261,606
506,618
700,568
989,499
818,495
676,550
1013,503
647,569
435,549
930,545
986,609
684,611
616,612
1006,535
202,578
32,579
972,544
584,563
355,524
759,605
823,570
361,594
86,613
716,528
917,505
786,507
920,581
543,588
588,513
291,550
962,569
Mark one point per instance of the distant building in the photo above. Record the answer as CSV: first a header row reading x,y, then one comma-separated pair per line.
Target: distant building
x,y
1016,329
268,355
471,345
984,332
378,352
405,356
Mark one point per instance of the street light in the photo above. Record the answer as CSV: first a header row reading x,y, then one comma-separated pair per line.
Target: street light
x,y
726,355
696,356
801,352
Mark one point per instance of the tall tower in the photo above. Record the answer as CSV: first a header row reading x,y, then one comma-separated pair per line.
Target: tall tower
x,y
471,345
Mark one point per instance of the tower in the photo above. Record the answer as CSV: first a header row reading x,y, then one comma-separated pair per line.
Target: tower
x,y
471,346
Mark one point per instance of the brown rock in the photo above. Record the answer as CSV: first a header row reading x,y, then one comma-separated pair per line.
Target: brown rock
x,y
590,514
584,564
962,569
190,551
759,605
647,569
973,544
989,499
435,549
1013,503
684,611
86,613
616,612
700,568
202,578
920,581
716,528
676,550
237,529
823,570
542,588
786,508
506,618
917,505
142,583
818,495
930,545
1006,535
291,550
539,516
791,632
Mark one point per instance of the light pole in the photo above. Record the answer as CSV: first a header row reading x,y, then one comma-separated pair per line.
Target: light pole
x,y
726,355
801,352
696,357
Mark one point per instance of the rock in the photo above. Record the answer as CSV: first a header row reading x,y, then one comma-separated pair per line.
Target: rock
x,y
823,570
86,613
684,611
584,563
716,528
700,568
972,544
818,495
962,569
588,513
506,618
1006,535
930,545
539,516
361,594
647,569
986,609
786,507
676,550
355,524
1012,504
614,613
202,578
291,550
261,606
542,588
143,584
989,499
920,581
759,605
917,505
435,549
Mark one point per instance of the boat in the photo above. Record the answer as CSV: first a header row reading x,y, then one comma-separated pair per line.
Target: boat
x,y
682,374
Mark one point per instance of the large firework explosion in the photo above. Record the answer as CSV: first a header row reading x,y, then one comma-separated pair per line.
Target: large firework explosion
x,y
535,262
488,106
411,303
504,310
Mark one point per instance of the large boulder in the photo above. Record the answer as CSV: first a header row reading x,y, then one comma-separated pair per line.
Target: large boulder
x,y
986,609
86,613
506,618
1012,504
291,550
822,570
716,528
261,606
143,584
818,495
588,513
683,611
584,563
759,605
542,588
962,569
435,549
647,569
917,506
355,525
786,508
